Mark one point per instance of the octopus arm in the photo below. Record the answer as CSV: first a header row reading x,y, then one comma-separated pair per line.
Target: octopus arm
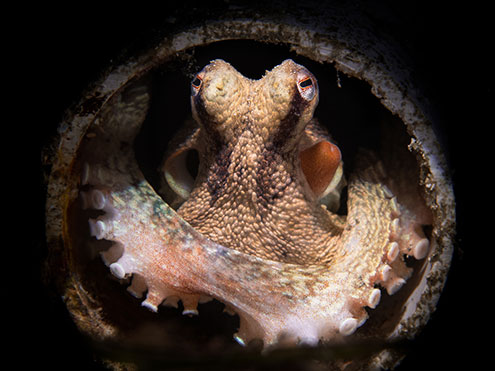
x,y
169,260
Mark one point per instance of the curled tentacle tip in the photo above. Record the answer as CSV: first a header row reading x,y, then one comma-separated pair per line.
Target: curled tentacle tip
x,y
117,270
348,326
385,273
190,303
374,298
387,192
393,251
239,339
309,341
150,306
97,228
395,228
394,285
421,249
97,199
394,205
190,312
153,300
94,199
90,174
85,174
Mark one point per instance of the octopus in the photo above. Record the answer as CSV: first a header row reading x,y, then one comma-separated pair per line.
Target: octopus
x,y
263,225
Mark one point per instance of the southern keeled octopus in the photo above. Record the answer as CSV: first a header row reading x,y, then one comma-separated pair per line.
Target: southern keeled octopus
x,y
258,227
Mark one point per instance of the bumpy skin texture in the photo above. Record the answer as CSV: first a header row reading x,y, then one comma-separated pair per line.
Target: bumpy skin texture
x,y
253,231
250,193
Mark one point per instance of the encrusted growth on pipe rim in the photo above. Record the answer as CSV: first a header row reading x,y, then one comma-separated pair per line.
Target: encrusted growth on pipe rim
x,y
326,47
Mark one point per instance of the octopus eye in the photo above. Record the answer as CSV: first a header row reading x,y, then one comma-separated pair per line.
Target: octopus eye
x,y
307,87
196,85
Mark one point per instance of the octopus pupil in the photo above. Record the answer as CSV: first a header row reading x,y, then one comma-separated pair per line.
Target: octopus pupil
x,y
196,82
306,83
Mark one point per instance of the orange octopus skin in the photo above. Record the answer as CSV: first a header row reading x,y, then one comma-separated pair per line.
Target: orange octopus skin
x,y
319,164
320,298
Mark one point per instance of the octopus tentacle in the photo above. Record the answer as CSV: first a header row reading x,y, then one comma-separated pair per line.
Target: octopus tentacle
x,y
169,260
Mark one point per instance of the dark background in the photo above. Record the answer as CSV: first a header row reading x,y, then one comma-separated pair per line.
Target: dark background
x,y
60,50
